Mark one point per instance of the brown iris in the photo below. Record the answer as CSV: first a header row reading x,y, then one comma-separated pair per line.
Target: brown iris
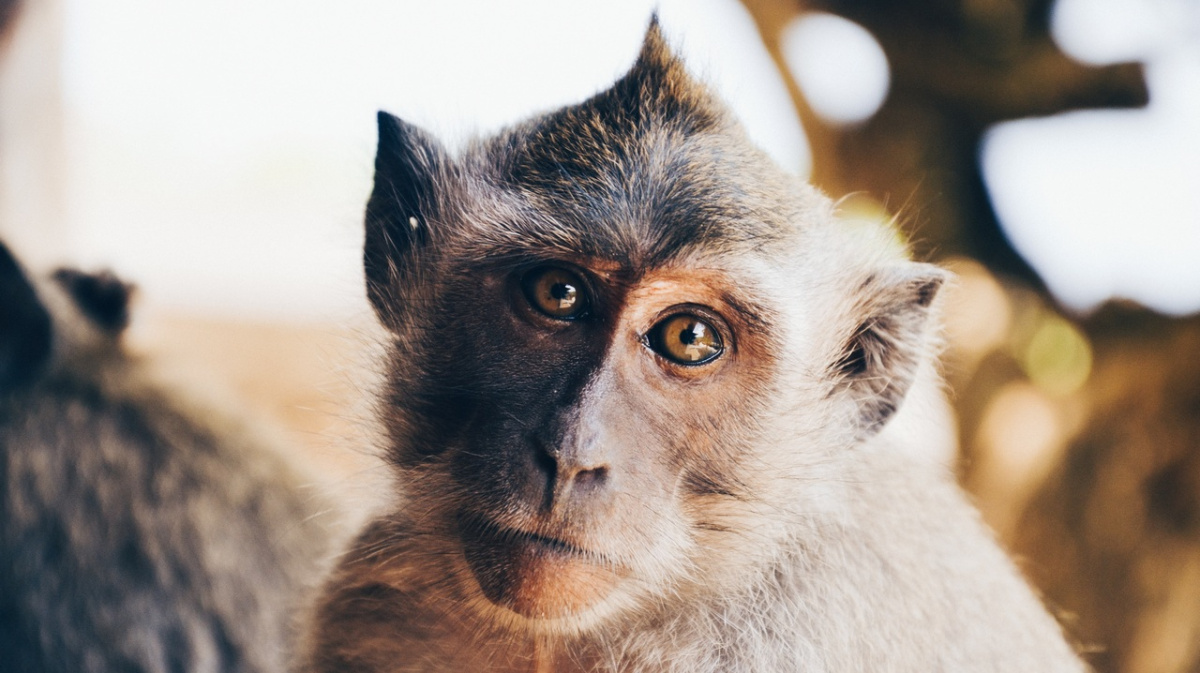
x,y
556,292
686,339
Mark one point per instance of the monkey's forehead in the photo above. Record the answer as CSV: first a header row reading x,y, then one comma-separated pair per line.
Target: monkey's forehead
x,y
627,235
618,199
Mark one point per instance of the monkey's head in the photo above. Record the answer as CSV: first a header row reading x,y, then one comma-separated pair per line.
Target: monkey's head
x,y
69,320
629,356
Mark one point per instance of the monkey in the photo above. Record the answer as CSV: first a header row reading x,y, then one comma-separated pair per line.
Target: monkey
x,y
140,531
651,406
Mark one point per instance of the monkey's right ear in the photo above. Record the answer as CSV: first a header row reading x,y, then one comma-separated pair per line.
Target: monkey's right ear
x,y
880,359
25,328
410,167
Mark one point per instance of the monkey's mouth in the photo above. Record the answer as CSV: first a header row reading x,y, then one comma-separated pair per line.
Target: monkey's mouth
x,y
534,575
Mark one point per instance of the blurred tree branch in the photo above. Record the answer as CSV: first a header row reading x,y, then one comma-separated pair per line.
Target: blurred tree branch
x,y
957,69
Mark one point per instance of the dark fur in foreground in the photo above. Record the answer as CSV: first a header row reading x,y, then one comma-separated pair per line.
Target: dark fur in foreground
x,y
137,534
572,499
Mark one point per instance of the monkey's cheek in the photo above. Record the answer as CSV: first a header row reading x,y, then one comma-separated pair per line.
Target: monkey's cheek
x,y
538,581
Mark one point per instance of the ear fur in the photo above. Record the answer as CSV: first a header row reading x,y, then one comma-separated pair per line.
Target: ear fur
x,y
410,166
25,327
879,361
102,297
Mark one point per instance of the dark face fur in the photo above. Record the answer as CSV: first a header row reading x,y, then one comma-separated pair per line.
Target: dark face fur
x,y
581,360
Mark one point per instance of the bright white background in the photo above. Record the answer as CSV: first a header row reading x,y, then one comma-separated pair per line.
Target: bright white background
x,y
1107,203
220,153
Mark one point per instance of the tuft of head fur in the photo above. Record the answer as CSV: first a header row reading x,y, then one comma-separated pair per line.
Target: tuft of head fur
x,y
745,513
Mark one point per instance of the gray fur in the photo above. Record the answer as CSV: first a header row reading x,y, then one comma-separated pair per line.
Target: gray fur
x,y
139,532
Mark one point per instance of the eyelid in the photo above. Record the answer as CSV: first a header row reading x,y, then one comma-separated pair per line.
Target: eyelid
x,y
705,313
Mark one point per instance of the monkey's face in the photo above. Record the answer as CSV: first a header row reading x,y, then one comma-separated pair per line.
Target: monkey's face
x,y
574,420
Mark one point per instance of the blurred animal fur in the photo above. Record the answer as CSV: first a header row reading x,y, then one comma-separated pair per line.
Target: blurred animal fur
x,y
651,407
137,532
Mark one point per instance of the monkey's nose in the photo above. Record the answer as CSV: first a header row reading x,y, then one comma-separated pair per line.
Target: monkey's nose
x,y
584,477
571,472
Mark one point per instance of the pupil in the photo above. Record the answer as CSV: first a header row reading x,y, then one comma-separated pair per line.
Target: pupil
x,y
688,336
554,292
561,291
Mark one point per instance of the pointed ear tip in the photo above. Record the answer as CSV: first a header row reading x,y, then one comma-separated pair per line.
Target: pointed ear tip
x,y
9,266
386,120
392,130
933,273
914,282
928,282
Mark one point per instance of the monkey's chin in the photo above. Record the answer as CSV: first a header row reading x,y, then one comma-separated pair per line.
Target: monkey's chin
x,y
536,577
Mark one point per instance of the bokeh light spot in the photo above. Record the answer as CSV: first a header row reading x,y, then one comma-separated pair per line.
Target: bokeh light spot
x,y
1058,358
839,66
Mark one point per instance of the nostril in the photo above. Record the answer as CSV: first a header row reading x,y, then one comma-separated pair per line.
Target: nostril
x,y
594,477
547,464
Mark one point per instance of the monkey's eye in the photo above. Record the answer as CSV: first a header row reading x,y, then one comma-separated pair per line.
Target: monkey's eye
x,y
556,292
686,339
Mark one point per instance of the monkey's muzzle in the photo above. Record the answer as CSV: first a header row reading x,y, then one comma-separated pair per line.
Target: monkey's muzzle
x,y
535,575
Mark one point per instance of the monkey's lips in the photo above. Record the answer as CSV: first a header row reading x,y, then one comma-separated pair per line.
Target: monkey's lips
x,y
533,575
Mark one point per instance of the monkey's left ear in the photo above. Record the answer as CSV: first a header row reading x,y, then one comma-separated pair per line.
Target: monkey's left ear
x,y
101,296
411,169
26,331
880,359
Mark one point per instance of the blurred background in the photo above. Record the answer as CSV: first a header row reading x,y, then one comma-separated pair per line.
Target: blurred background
x,y
1048,151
